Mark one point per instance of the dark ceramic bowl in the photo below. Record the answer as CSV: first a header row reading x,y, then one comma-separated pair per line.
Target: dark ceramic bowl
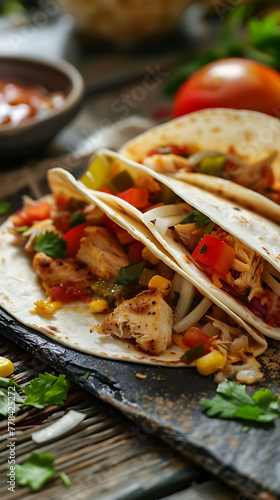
x,y
20,141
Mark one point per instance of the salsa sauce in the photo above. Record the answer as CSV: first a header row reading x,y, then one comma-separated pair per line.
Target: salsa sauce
x,y
20,101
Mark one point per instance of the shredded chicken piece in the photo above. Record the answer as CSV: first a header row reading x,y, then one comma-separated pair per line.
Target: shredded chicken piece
x,y
253,176
144,180
189,234
100,262
247,266
147,318
54,271
101,238
169,163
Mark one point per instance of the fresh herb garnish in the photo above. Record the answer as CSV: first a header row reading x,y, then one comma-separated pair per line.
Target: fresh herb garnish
x,y
46,390
37,469
130,275
86,375
77,219
4,207
65,479
176,298
198,218
232,401
5,383
209,228
161,377
51,244
203,249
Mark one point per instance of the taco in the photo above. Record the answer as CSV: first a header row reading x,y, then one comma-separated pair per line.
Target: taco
x,y
227,250
232,153
95,279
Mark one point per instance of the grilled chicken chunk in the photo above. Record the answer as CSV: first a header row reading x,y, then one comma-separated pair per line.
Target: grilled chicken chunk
x,y
101,238
54,271
147,318
169,164
101,263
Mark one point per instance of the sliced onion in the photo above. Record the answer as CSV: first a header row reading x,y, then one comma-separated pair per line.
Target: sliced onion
x,y
186,290
65,424
210,329
164,223
163,211
194,316
271,282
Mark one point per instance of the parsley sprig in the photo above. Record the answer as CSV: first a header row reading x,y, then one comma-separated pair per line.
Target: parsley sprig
x,y
232,402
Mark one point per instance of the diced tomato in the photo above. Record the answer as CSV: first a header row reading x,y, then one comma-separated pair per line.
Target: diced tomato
x,y
31,213
135,251
214,253
138,197
73,238
67,292
194,336
61,201
168,149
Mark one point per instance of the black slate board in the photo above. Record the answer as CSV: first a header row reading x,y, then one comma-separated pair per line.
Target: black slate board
x,y
170,409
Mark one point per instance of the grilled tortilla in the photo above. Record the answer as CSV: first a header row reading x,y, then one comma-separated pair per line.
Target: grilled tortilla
x,y
232,153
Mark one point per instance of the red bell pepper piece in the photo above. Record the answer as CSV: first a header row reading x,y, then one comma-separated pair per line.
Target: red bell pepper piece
x,y
214,253
138,197
67,292
73,238
194,336
135,251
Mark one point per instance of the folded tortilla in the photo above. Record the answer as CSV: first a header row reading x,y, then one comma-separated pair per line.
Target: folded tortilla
x,y
253,137
73,325
256,232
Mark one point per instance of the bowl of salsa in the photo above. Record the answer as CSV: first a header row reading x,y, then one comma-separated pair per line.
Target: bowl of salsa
x,y
37,99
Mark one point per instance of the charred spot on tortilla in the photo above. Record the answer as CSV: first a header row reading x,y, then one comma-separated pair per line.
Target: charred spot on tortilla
x,y
236,208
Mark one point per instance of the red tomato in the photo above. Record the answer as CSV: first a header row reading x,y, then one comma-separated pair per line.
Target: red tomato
x,y
214,253
73,238
31,213
67,292
230,83
135,251
194,336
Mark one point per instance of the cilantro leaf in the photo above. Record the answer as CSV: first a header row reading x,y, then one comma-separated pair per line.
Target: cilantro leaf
x,y
51,244
37,469
232,401
4,207
46,390
203,249
65,479
198,218
5,402
86,375
77,218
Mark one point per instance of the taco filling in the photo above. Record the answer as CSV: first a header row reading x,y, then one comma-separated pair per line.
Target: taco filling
x,y
229,263
80,254
257,176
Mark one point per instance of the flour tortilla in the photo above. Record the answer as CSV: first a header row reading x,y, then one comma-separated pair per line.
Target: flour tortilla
x,y
253,135
255,231
74,325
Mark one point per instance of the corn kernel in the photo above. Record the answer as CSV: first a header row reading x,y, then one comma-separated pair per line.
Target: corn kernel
x,y
159,283
149,256
6,367
99,306
46,308
210,363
